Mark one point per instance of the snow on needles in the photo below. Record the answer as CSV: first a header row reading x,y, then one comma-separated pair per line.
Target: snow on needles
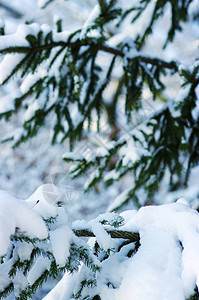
x,y
61,244
93,15
16,39
8,64
166,265
16,215
45,199
19,37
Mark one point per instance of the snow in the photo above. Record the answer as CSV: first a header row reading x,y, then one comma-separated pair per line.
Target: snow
x,y
113,174
162,268
31,79
102,236
154,272
64,289
161,261
119,200
17,133
166,263
20,283
95,226
24,250
18,38
61,36
60,242
75,114
130,151
4,278
7,101
41,265
10,61
91,178
130,50
31,111
16,215
22,218
45,28
45,199
193,7
8,64
93,15
129,31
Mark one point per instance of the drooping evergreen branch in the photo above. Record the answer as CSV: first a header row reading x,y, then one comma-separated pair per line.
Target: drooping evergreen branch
x,y
115,51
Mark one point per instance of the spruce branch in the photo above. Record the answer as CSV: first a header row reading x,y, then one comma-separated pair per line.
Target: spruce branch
x,y
105,48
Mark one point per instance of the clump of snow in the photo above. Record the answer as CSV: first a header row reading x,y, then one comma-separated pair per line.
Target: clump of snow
x,y
7,101
164,267
76,115
20,283
45,200
16,215
45,28
24,250
166,264
23,218
111,175
31,79
61,36
93,15
60,242
193,7
23,30
19,37
41,265
102,236
97,227
64,289
30,111
8,64
129,50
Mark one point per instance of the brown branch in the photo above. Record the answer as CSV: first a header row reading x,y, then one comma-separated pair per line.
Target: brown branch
x,y
116,234
115,51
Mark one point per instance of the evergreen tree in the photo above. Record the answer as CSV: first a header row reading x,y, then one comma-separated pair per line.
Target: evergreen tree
x,y
85,79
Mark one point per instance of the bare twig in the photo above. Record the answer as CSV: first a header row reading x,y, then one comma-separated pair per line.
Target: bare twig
x,y
119,234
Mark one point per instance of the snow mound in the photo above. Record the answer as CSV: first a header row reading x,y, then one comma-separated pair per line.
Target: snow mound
x,y
166,265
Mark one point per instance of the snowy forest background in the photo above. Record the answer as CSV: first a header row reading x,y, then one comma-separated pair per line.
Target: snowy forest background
x,y
162,258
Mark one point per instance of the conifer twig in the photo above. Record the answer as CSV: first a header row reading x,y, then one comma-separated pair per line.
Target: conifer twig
x,y
101,3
